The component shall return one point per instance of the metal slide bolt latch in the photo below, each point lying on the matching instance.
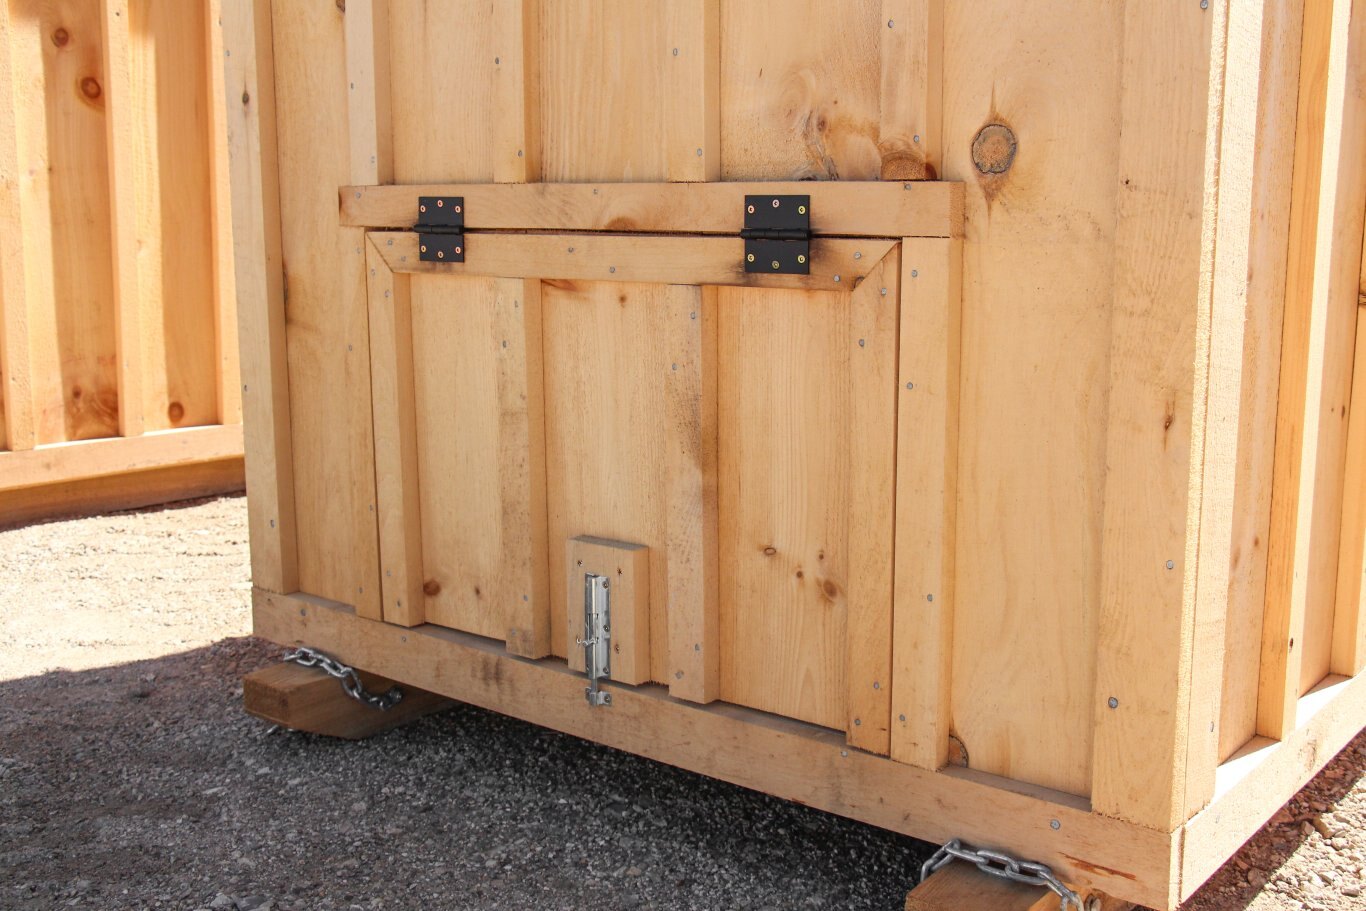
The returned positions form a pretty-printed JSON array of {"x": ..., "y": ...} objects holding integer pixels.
[{"x": 596, "y": 640}]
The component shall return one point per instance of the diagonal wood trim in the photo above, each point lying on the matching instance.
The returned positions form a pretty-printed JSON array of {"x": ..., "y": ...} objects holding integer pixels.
[{"x": 836, "y": 264}]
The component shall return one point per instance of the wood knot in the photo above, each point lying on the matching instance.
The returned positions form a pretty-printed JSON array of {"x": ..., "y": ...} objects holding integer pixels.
[
  {"x": 90, "y": 88},
  {"x": 176, "y": 412},
  {"x": 341, "y": 5},
  {"x": 993, "y": 149},
  {"x": 431, "y": 588},
  {"x": 770, "y": 550},
  {"x": 61, "y": 37},
  {"x": 830, "y": 589}
]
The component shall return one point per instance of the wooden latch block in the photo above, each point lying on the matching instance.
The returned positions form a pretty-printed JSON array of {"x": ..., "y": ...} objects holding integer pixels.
[{"x": 626, "y": 569}]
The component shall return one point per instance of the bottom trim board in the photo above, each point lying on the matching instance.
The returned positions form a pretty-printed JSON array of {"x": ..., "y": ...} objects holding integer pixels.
[
  {"x": 788, "y": 759},
  {"x": 106, "y": 493},
  {"x": 1257, "y": 780}
]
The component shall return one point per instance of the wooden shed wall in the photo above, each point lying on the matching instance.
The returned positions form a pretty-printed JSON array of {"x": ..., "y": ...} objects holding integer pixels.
[
  {"x": 118, "y": 300},
  {"x": 813, "y": 89},
  {"x": 1124, "y": 425}
]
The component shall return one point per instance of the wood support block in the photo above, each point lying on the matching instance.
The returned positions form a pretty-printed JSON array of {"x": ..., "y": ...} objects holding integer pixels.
[
  {"x": 627, "y": 567},
  {"x": 962, "y": 887},
  {"x": 307, "y": 699}
]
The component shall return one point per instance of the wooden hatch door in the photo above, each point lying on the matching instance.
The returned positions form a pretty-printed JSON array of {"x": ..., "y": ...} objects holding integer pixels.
[{"x": 565, "y": 381}]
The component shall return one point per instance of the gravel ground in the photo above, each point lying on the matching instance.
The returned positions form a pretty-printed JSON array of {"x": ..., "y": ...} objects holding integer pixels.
[{"x": 131, "y": 778}]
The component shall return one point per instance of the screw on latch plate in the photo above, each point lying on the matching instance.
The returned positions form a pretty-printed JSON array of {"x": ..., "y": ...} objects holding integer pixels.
[
  {"x": 440, "y": 229},
  {"x": 777, "y": 234}
]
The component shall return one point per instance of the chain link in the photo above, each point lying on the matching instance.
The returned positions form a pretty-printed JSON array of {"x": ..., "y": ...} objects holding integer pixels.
[
  {"x": 350, "y": 680},
  {"x": 1002, "y": 866}
]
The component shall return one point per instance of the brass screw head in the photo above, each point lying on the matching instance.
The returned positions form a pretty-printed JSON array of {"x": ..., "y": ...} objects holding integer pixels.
[
  {"x": 750, "y": 257},
  {"x": 775, "y": 264},
  {"x": 801, "y": 258},
  {"x": 801, "y": 210}
]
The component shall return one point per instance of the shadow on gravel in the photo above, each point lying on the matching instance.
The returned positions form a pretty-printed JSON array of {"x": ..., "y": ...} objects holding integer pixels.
[{"x": 145, "y": 785}]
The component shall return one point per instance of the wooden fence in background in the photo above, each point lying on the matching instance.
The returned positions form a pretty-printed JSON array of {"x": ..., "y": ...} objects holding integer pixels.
[{"x": 118, "y": 332}]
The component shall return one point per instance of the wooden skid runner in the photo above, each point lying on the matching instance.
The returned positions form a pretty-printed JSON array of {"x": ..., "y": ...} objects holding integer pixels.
[
  {"x": 306, "y": 699},
  {"x": 962, "y": 887}
]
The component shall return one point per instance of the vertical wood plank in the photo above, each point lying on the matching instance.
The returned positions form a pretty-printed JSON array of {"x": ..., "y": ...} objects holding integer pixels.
[
  {"x": 1234, "y": 321},
  {"x": 692, "y": 90},
  {"x": 1349, "y": 627},
  {"x": 911, "y": 99},
  {"x": 872, "y": 342},
  {"x": 395, "y": 411},
  {"x": 368, "y": 91},
  {"x": 249, "y": 83},
  {"x": 1273, "y": 148},
  {"x": 517, "y": 88},
  {"x": 521, "y": 454},
  {"x": 16, "y": 383},
  {"x": 328, "y": 328},
  {"x": 220, "y": 206},
  {"x": 694, "y": 581},
  {"x": 1160, "y": 347},
  {"x": 926, "y": 498},
  {"x": 120, "y": 129},
  {"x": 1316, "y": 352}
]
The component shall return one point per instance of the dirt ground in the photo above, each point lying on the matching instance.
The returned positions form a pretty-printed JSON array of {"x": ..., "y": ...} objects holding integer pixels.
[{"x": 131, "y": 778}]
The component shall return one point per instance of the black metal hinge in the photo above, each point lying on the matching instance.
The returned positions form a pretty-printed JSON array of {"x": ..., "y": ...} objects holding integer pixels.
[
  {"x": 777, "y": 234},
  {"x": 441, "y": 229}
]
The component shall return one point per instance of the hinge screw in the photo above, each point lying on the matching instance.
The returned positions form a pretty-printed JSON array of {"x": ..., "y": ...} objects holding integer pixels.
[
  {"x": 801, "y": 210},
  {"x": 776, "y": 203},
  {"x": 749, "y": 209},
  {"x": 749, "y": 257},
  {"x": 775, "y": 264},
  {"x": 801, "y": 258}
]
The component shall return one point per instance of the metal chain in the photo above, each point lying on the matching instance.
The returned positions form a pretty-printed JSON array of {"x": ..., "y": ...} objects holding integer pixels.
[
  {"x": 350, "y": 680},
  {"x": 1005, "y": 867}
]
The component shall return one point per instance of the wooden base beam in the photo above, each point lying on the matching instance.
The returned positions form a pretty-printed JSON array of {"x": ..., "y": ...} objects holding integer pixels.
[
  {"x": 788, "y": 759},
  {"x": 962, "y": 887},
  {"x": 307, "y": 699}
]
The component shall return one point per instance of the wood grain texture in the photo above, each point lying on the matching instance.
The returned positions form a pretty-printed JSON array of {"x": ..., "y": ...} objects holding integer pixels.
[
  {"x": 926, "y": 501},
  {"x": 89, "y": 496},
  {"x": 1151, "y": 623},
  {"x": 1271, "y": 148},
  {"x": 795, "y": 460},
  {"x": 306, "y": 699},
  {"x": 16, "y": 381},
  {"x": 910, "y": 103},
  {"x": 480, "y": 457},
  {"x": 801, "y": 83},
  {"x": 174, "y": 214},
  {"x": 327, "y": 337},
  {"x": 692, "y": 89},
  {"x": 398, "y": 488},
  {"x": 62, "y": 463},
  {"x": 836, "y": 263},
  {"x": 607, "y": 428},
  {"x": 64, "y": 194},
  {"x": 249, "y": 82},
  {"x": 226, "y": 338},
  {"x": 691, "y": 461},
  {"x": 603, "y": 79},
  {"x": 123, "y": 116},
  {"x": 851, "y": 209},
  {"x": 1230, "y": 325},
  {"x": 1038, "y": 286},
  {"x": 1316, "y": 353},
  {"x": 874, "y": 309},
  {"x": 779, "y": 756},
  {"x": 1251, "y": 785},
  {"x": 1349, "y": 628}
]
